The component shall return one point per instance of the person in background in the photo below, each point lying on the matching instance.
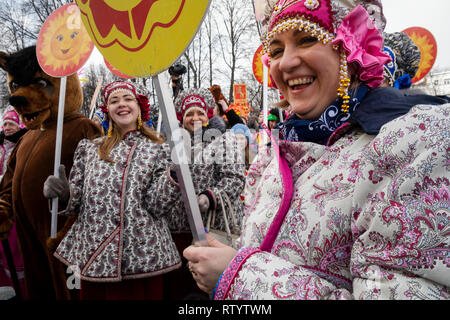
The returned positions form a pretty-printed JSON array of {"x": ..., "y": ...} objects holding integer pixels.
[
  {"x": 405, "y": 60},
  {"x": 99, "y": 118},
  {"x": 354, "y": 204},
  {"x": 254, "y": 127},
  {"x": 244, "y": 137},
  {"x": 12, "y": 130},
  {"x": 217, "y": 167},
  {"x": 120, "y": 245},
  {"x": 273, "y": 118},
  {"x": 222, "y": 109}
]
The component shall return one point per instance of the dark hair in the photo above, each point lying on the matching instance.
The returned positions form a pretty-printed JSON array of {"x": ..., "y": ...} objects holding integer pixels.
[{"x": 252, "y": 123}]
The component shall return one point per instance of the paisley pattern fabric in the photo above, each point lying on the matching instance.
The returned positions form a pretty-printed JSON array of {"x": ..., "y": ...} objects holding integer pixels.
[
  {"x": 216, "y": 167},
  {"x": 120, "y": 233},
  {"x": 5, "y": 151},
  {"x": 369, "y": 218}
]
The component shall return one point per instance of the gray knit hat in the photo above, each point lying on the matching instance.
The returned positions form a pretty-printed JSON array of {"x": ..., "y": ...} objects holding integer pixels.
[{"x": 404, "y": 53}]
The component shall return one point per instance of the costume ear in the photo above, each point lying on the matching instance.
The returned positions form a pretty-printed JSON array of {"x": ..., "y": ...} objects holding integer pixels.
[{"x": 3, "y": 58}]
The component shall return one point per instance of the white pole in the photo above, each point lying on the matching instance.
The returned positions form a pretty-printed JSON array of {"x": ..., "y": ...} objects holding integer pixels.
[
  {"x": 59, "y": 132},
  {"x": 265, "y": 99},
  {"x": 179, "y": 157},
  {"x": 158, "y": 128}
]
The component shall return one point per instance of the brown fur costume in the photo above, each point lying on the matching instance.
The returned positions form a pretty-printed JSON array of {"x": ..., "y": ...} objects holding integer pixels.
[{"x": 35, "y": 96}]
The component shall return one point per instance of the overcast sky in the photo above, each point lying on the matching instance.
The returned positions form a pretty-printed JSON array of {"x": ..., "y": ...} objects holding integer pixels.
[{"x": 433, "y": 15}]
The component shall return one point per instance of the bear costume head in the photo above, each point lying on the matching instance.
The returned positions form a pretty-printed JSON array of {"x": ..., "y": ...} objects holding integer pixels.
[{"x": 34, "y": 94}]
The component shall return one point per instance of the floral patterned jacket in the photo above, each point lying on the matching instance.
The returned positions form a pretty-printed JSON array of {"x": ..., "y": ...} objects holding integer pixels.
[
  {"x": 216, "y": 167},
  {"x": 365, "y": 217},
  {"x": 120, "y": 233}
]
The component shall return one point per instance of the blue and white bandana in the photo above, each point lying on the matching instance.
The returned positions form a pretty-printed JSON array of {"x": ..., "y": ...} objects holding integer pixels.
[{"x": 318, "y": 131}]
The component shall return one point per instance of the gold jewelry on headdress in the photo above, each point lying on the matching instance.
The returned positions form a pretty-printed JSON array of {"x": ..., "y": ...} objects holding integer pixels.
[
  {"x": 297, "y": 24},
  {"x": 110, "y": 129},
  {"x": 139, "y": 119},
  {"x": 344, "y": 82}
]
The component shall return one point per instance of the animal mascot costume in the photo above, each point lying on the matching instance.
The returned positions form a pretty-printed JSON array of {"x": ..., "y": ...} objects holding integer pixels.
[{"x": 35, "y": 96}]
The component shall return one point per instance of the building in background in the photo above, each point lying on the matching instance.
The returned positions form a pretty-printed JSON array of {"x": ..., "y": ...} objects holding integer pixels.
[{"x": 435, "y": 83}]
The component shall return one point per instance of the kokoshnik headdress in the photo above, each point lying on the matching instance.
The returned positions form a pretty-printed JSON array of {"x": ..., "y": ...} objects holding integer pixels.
[{"x": 352, "y": 26}]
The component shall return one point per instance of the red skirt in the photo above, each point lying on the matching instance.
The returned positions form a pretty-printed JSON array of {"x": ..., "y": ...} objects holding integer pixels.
[{"x": 135, "y": 289}]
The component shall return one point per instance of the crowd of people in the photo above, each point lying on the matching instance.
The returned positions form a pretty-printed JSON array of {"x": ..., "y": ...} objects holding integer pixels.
[{"x": 346, "y": 196}]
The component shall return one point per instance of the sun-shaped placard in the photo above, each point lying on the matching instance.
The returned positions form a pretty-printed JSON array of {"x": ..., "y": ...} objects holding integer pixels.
[
  {"x": 142, "y": 37},
  {"x": 258, "y": 68},
  {"x": 63, "y": 44},
  {"x": 426, "y": 42}
]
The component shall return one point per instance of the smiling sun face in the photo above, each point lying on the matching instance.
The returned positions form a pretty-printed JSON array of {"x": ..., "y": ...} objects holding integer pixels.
[{"x": 63, "y": 45}]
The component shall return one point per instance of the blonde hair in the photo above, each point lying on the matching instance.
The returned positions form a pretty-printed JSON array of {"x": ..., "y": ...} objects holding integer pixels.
[{"x": 108, "y": 143}]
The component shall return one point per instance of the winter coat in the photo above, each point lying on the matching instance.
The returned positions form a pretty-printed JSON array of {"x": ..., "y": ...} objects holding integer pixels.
[
  {"x": 6, "y": 146},
  {"x": 120, "y": 233},
  {"x": 29, "y": 165},
  {"x": 216, "y": 167},
  {"x": 367, "y": 217}
]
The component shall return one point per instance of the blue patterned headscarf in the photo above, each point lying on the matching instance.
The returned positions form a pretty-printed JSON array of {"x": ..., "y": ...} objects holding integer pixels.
[{"x": 318, "y": 131}]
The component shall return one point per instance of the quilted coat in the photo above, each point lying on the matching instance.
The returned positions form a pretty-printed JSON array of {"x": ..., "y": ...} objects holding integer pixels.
[
  {"x": 120, "y": 232},
  {"x": 216, "y": 167},
  {"x": 363, "y": 217}
]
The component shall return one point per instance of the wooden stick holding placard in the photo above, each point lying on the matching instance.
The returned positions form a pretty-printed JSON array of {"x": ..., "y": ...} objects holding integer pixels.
[
  {"x": 59, "y": 132},
  {"x": 175, "y": 140},
  {"x": 94, "y": 98}
]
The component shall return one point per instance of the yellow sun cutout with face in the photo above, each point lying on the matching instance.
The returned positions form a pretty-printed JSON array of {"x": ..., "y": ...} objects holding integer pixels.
[{"x": 63, "y": 44}]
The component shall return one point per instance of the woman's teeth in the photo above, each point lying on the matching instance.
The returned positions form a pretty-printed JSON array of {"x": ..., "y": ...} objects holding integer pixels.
[{"x": 300, "y": 81}]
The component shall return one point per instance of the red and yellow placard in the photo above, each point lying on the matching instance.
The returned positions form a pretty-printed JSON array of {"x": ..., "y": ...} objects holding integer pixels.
[
  {"x": 242, "y": 110},
  {"x": 258, "y": 68},
  {"x": 427, "y": 44},
  {"x": 116, "y": 71},
  {"x": 63, "y": 45},
  {"x": 240, "y": 93},
  {"x": 142, "y": 37}
]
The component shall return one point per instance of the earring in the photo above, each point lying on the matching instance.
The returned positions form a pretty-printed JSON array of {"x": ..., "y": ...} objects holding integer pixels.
[
  {"x": 110, "y": 130},
  {"x": 344, "y": 83},
  {"x": 139, "y": 119}
]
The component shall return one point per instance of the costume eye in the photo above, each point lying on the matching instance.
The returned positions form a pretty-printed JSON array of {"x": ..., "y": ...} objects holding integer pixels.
[
  {"x": 73, "y": 35},
  {"x": 14, "y": 86},
  {"x": 41, "y": 82},
  {"x": 59, "y": 37}
]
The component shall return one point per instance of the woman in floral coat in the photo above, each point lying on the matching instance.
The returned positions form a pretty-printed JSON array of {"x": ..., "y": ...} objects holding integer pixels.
[
  {"x": 353, "y": 203},
  {"x": 217, "y": 166},
  {"x": 120, "y": 245}
]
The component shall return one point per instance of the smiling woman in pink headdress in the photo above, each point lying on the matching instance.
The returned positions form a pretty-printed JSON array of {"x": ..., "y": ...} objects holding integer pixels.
[
  {"x": 120, "y": 244},
  {"x": 352, "y": 202}
]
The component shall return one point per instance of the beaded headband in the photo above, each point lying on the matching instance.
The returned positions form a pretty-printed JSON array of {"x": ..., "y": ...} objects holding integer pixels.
[
  {"x": 345, "y": 23},
  {"x": 142, "y": 100},
  {"x": 126, "y": 86},
  {"x": 201, "y": 99}
]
